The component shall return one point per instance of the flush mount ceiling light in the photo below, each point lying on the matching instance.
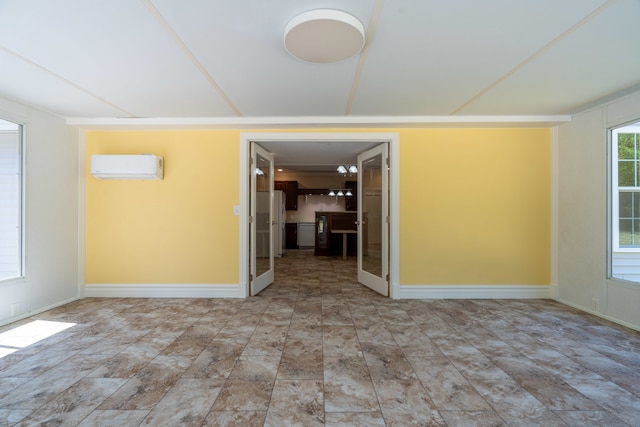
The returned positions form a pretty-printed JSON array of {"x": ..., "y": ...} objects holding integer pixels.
[{"x": 324, "y": 36}]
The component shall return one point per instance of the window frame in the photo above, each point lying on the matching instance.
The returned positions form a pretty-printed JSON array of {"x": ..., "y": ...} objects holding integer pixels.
[
  {"x": 615, "y": 189},
  {"x": 21, "y": 258}
]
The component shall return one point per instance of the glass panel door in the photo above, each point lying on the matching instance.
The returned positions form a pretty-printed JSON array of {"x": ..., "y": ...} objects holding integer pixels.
[
  {"x": 262, "y": 219},
  {"x": 373, "y": 226}
]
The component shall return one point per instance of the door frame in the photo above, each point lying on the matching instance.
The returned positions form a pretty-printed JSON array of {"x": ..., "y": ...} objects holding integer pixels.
[{"x": 392, "y": 138}]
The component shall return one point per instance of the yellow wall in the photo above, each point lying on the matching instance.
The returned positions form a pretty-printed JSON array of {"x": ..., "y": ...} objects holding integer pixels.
[
  {"x": 474, "y": 208},
  {"x": 178, "y": 230}
]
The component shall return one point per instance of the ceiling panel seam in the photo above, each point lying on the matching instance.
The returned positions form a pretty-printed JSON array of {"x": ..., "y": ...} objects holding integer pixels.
[
  {"x": 183, "y": 46},
  {"x": 371, "y": 29},
  {"x": 64, "y": 80},
  {"x": 536, "y": 54}
]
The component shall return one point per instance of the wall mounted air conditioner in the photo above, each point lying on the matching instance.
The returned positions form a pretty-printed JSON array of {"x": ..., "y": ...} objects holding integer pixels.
[{"x": 126, "y": 166}]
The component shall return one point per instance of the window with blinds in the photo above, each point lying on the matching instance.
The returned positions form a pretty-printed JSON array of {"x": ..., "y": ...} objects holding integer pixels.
[{"x": 10, "y": 200}]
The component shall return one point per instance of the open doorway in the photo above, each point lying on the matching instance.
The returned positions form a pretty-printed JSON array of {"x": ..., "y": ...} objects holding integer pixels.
[{"x": 317, "y": 154}]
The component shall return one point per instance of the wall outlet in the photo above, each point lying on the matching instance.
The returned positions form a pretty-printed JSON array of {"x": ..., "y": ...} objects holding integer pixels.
[{"x": 595, "y": 304}]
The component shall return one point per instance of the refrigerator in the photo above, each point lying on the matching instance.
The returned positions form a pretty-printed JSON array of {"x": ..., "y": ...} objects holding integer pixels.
[{"x": 279, "y": 221}]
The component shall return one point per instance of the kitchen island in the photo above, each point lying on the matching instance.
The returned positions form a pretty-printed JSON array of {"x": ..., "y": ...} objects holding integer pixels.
[{"x": 336, "y": 234}]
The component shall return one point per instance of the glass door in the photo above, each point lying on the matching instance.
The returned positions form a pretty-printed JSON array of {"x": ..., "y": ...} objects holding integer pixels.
[
  {"x": 261, "y": 268},
  {"x": 373, "y": 216}
]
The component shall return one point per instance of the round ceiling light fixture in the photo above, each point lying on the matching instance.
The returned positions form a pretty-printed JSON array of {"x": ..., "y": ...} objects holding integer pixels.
[{"x": 324, "y": 36}]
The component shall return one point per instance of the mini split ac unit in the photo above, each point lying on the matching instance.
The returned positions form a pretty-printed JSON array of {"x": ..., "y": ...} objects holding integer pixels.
[{"x": 126, "y": 166}]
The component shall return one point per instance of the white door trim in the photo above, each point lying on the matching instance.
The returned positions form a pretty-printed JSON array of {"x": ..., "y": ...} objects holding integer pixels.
[{"x": 392, "y": 138}]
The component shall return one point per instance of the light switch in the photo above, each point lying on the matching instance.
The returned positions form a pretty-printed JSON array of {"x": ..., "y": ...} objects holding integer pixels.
[{"x": 236, "y": 210}]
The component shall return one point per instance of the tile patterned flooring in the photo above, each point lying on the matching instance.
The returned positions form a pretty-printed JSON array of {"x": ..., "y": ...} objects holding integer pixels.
[{"x": 316, "y": 348}]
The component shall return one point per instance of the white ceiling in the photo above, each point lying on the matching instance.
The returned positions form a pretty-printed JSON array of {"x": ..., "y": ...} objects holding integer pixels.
[
  {"x": 225, "y": 59},
  {"x": 315, "y": 156}
]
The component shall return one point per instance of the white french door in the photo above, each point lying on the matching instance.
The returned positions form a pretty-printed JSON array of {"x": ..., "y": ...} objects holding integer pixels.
[
  {"x": 373, "y": 219},
  {"x": 261, "y": 219}
]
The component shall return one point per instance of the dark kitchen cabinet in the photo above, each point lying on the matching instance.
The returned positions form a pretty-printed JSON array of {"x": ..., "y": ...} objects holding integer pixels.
[
  {"x": 291, "y": 235},
  {"x": 351, "y": 202},
  {"x": 290, "y": 189},
  {"x": 330, "y": 244}
]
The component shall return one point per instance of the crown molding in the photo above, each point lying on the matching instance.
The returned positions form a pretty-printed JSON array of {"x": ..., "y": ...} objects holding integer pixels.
[{"x": 316, "y": 122}]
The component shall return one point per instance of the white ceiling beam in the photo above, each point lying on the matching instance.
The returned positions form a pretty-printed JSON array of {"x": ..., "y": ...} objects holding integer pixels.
[{"x": 318, "y": 121}]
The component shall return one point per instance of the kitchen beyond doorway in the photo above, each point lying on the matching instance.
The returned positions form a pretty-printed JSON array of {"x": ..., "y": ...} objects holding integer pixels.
[{"x": 318, "y": 146}]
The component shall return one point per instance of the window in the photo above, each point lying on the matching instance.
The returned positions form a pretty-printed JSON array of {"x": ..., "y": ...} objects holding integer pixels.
[
  {"x": 625, "y": 203},
  {"x": 10, "y": 200}
]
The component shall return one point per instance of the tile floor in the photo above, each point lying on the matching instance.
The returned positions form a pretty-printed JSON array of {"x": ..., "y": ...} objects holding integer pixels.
[{"x": 317, "y": 349}]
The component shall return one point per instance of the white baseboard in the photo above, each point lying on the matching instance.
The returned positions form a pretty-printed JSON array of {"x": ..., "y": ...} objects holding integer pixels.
[
  {"x": 236, "y": 291},
  {"x": 37, "y": 311},
  {"x": 601, "y": 315},
  {"x": 163, "y": 291},
  {"x": 475, "y": 292}
]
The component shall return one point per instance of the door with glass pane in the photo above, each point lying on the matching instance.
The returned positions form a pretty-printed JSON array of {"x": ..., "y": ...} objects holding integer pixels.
[
  {"x": 373, "y": 214},
  {"x": 261, "y": 268}
]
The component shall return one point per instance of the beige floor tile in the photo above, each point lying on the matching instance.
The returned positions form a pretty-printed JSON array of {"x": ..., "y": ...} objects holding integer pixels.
[
  {"x": 446, "y": 386},
  {"x": 316, "y": 347},
  {"x": 187, "y": 403},
  {"x": 386, "y": 362},
  {"x": 621, "y": 403},
  {"x": 235, "y": 418},
  {"x": 340, "y": 340},
  {"x": 590, "y": 419},
  {"x": 472, "y": 419},
  {"x": 556, "y": 394},
  {"x": 514, "y": 404},
  {"x": 216, "y": 361},
  {"x": 75, "y": 403},
  {"x": 296, "y": 403},
  {"x": 406, "y": 402},
  {"x": 354, "y": 419},
  {"x": 301, "y": 360},
  {"x": 114, "y": 418},
  {"x": 256, "y": 368},
  {"x": 149, "y": 385},
  {"x": 348, "y": 386},
  {"x": 244, "y": 395}
]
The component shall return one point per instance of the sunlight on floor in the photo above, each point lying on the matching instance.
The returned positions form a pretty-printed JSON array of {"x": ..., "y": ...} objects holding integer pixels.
[{"x": 25, "y": 335}]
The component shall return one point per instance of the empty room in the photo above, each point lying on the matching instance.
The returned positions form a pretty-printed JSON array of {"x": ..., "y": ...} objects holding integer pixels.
[{"x": 298, "y": 213}]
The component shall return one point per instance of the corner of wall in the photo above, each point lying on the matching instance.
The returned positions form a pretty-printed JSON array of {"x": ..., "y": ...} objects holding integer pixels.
[{"x": 581, "y": 214}]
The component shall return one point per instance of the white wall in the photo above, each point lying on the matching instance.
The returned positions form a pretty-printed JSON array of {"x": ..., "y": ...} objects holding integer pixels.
[
  {"x": 582, "y": 214},
  {"x": 309, "y": 205},
  {"x": 51, "y": 215}
]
